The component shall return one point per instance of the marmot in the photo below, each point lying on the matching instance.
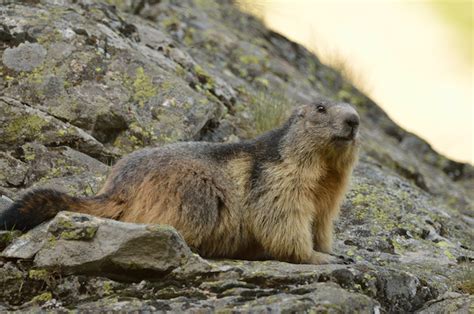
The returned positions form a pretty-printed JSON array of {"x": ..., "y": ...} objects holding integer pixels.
[{"x": 275, "y": 196}]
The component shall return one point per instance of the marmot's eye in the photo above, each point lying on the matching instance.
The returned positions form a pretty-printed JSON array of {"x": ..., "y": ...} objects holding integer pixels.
[{"x": 321, "y": 108}]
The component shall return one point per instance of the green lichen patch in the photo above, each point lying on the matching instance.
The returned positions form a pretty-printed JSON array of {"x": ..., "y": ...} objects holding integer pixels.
[
  {"x": 135, "y": 137},
  {"x": 143, "y": 87},
  {"x": 36, "y": 76},
  {"x": 27, "y": 127},
  {"x": 39, "y": 274},
  {"x": 6, "y": 237},
  {"x": 47, "y": 38},
  {"x": 66, "y": 229},
  {"x": 85, "y": 233},
  {"x": 107, "y": 288},
  {"x": 42, "y": 298},
  {"x": 204, "y": 78}
]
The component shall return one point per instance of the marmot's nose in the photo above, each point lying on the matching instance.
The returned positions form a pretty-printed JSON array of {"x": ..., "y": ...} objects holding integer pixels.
[{"x": 352, "y": 120}]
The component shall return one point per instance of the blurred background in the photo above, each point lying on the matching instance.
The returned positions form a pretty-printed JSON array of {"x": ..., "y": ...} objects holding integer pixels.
[{"x": 414, "y": 58}]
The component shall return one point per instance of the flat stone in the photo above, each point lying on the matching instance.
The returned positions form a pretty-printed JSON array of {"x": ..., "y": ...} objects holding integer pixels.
[
  {"x": 25, "y": 57},
  {"x": 27, "y": 245}
]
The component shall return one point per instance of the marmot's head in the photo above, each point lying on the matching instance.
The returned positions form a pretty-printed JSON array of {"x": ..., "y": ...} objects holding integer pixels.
[{"x": 326, "y": 127}]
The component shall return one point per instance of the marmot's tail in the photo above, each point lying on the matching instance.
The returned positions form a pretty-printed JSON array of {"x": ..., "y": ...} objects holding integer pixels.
[{"x": 38, "y": 206}]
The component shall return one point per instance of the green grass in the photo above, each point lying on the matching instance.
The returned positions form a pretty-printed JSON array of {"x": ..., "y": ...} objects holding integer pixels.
[
  {"x": 269, "y": 110},
  {"x": 465, "y": 282}
]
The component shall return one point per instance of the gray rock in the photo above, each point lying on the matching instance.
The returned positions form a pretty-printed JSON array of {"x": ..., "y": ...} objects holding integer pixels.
[
  {"x": 79, "y": 243},
  {"x": 26, "y": 57},
  {"x": 6, "y": 237},
  {"x": 12, "y": 171},
  {"x": 63, "y": 168},
  {"x": 27, "y": 245},
  {"x": 5, "y": 202},
  {"x": 450, "y": 303},
  {"x": 10, "y": 279},
  {"x": 22, "y": 124},
  {"x": 325, "y": 298},
  {"x": 396, "y": 288}
]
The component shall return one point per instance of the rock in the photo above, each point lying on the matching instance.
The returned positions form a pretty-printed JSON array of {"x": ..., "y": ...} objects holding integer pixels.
[
  {"x": 27, "y": 245},
  {"x": 62, "y": 168},
  {"x": 6, "y": 237},
  {"x": 11, "y": 278},
  {"x": 400, "y": 291},
  {"x": 325, "y": 297},
  {"x": 450, "y": 303},
  {"x": 26, "y": 57},
  {"x": 22, "y": 124},
  {"x": 79, "y": 243},
  {"x": 12, "y": 171},
  {"x": 5, "y": 202}
]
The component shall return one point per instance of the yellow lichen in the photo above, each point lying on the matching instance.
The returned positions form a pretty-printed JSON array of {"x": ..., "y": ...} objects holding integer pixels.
[
  {"x": 443, "y": 244},
  {"x": 42, "y": 298},
  {"x": 249, "y": 59},
  {"x": 143, "y": 88},
  {"x": 108, "y": 290},
  {"x": 204, "y": 78},
  {"x": 449, "y": 255},
  {"x": 29, "y": 126},
  {"x": 38, "y": 274}
]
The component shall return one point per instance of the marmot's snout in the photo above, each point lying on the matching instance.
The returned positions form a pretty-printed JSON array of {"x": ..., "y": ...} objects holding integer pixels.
[
  {"x": 349, "y": 119},
  {"x": 351, "y": 122}
]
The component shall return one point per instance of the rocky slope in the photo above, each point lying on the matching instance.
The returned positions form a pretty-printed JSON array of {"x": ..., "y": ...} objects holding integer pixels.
[{"x": 83, "y": 82}]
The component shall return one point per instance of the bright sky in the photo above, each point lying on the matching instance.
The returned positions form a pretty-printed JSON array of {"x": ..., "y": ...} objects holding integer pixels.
[{"x": 406, "y": 54}]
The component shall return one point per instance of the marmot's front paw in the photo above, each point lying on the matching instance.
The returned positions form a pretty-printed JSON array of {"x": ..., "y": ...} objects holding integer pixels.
[{"x": 319, "y": 258}]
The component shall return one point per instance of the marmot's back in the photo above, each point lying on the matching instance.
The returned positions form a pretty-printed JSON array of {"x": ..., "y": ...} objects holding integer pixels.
[{"x": 131, "y": 170}]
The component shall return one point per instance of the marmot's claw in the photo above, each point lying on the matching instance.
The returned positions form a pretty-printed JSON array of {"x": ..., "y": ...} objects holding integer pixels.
[{"x": 334, "y": 259}]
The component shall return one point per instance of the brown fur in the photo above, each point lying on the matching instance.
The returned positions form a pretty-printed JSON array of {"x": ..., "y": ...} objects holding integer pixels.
[{"x": 275, "y": 196}]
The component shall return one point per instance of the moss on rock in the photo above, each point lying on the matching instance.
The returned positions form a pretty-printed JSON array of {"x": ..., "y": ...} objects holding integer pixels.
[{"x": 143, "y": 87}]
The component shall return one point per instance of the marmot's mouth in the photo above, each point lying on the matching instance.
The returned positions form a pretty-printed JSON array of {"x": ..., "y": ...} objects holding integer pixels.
[{"x": 348, "y": 138}]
